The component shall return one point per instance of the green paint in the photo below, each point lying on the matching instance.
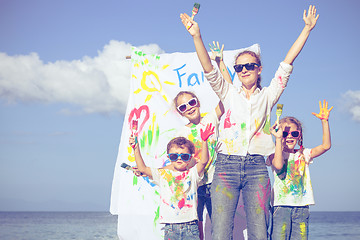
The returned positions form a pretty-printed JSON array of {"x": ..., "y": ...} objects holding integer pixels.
[
  {"x": 243, "y": 126},
  {"x": 135, "y": 180},
  {"x": 157, "y": 134},
  {"x": 266, "y": 128},
  {"x": 143, "y": 141},
  {"x": 157, "y": 215},
  {"x": 194, "y": 132},
  {"x": 150, "y": 137}
]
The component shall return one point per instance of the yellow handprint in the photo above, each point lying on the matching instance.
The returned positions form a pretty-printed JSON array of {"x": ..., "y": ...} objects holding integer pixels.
[{"x": 324, "y": 111}]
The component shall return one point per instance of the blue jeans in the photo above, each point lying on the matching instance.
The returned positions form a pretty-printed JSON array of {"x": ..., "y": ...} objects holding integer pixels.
[
  {"x": 234, "y": 174},
  {"x": 290, "y": 222},
  {"x": 204, "y": 199},
  {"x": 182, "y": 231}
]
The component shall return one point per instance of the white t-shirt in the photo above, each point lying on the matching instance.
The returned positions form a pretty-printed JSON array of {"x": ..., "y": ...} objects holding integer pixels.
[
  {"x": 178, "y": 194},
  {"x": 292, "y": 184},
  {"x": 193, "y": 134},
  {"x": 246, "y": 127}
]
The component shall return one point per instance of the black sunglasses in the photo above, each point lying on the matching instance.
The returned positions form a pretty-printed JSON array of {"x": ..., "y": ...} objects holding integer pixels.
[
  {"x": 184, "y": 156},
  {"x": 294, "y": 134},
  {"x": 248, "y": 66},
  {"x": 192, "y": 103}
]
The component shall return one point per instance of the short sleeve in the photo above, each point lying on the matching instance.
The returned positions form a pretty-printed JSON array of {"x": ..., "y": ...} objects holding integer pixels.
[{"x": 155, "y": 176}]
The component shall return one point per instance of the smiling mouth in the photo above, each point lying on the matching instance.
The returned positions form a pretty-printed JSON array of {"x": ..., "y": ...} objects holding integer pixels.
[{"x": 191, "y": 111}]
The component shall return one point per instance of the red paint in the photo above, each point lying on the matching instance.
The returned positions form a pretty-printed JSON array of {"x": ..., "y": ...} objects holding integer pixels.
[
  {"x": 137, "y": 114},
  {"x": 227, "y": 122}
]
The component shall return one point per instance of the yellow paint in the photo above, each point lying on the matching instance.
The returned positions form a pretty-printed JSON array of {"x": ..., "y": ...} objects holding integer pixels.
[
  {"x": 303, "y": 232},
  {"x": 170, "y": 83},
  {"x": 148, "y": 98},
  {"x": 131, "y": 158},
  {"x": 203, "y": 114},
  {"x": 154, "y": 88},
  {"x": 283, "y": 231},
  {"x": 136, "y": 65},
  {"x": 137, "y": 91},
  {"x": 133, "y": 76},
  {"x": 146, "y": 61},
  {"x": 165, "y": 66},
  {"x": 165, "y": 98}
]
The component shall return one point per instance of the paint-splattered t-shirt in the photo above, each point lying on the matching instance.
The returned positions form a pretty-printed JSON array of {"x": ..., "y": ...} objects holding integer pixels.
[
  {"x": 246, "y": 122},
  {"x": 178, "y": 194},
  {"x": 193, "y": 134},
  {"x": 292, "y": 184}
]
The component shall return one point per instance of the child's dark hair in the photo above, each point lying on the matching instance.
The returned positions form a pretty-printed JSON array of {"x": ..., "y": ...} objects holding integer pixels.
[
  {"x": 299, "y": 127},
  {"x": 258, "y": 61},
  {"x": 183, "y": 93},
  {"x": 181, "y": 142}
]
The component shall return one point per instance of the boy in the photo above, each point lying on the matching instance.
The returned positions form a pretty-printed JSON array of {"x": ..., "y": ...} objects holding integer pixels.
[{"x": 178, "y": 184}]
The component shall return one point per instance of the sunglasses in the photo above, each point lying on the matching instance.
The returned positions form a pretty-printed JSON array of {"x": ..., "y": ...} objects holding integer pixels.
[
  {"x": 183, "y": 107},
  {"x": 184, "y": 156},
  {"x": 294, "y": 134},
  {"x": 248, "y": 66}
]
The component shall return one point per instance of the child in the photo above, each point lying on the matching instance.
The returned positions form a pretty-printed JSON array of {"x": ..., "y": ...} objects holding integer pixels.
[
  {"x": 245, "y": 138},
  {"x": 292, "y": 191},
  {"x": 178, "y": 185}
]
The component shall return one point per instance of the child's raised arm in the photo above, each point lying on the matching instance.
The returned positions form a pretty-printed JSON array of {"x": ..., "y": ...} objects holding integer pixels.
[
  {"x": 323, "y": 115},
  {"x": 141, "y": 166},
  {"x": 217, "y": 56},
  {"x": 193, "y": 28},
  {"x": 205, "y": 134},
  {"x": 276, "y": 159},
  {"x": 310, "y": 20}
]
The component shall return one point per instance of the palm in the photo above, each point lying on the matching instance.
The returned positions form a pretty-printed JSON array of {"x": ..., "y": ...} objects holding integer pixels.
[
  {"x": 324, "y": 111},
  {"x": 310, "y": 17}
]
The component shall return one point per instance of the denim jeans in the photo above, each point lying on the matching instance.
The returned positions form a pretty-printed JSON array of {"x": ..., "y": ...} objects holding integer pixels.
[
  {"x": 290, "y": 222},
  {"x": 204, "y": 199},
  {"x": 232, "y": 175},
  {"x": 182, "y": 231}
]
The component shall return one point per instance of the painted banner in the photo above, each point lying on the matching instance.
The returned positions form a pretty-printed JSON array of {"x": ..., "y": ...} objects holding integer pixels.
[{"x": 155, "y": 81}]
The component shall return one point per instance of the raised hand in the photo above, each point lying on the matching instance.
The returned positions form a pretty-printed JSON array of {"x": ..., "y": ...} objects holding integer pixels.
[
  {"x": 209, "y": 130},
  {"x": 191, "y": 26},
  {"x": 324, "y": 111},
  {"x": 310, "y": 17},
  {"x": 217, "y": 53},
  {"x": 133, "y": 141},
  {"x": 276, "y": 133}
]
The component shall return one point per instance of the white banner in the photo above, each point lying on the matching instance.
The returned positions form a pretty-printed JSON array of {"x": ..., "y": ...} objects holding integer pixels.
[{"x": 155, "y": 81}]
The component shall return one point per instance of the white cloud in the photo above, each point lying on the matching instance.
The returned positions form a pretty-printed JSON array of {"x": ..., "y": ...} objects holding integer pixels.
[
  {"x": 352, "y": 104},
  {"x": 99, "y": 84}
]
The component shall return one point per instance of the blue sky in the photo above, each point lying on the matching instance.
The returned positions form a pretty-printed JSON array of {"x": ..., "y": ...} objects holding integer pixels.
[{"x": 64, "y": 85}]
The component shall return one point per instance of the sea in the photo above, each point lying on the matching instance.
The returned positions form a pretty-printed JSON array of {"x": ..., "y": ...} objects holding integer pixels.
[{"x": 102, "y": 225}]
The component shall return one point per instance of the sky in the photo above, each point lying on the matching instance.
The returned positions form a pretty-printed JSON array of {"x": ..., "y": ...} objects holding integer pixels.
[{"x": 64, "y": 85}]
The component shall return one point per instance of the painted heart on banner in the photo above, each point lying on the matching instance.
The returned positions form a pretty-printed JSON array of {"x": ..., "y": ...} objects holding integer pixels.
[{"x": 141, "y": 114}]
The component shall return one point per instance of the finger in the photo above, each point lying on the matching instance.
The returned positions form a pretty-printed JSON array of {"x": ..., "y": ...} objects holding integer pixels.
[
  {"x": 331, "y": 108},
  {"x": 320, "y": 104},
  {"x": 222, "y": 47},
  {"x": 325, "y": 104},
  {"x": 304, "y": 15},
  {"x": 315, "y": 114},
  {"x": 218, "y": 46}
]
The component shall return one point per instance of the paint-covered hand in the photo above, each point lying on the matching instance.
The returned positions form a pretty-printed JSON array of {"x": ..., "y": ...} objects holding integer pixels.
[
  {"x": 209, "y": 130},
  {"x": 324, "y": 111},
  {"x": 191, "y": 25},
  {"x": 276, "y": 133},
  {"x": 133, "y": 141},
  {"x": 216, "y": 51},
  {"x": 138, "y": 173},
  {"x": 310, "y": 18}
]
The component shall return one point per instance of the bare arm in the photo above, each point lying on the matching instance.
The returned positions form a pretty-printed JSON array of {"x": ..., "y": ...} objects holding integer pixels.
[
  {"x": 310, "y": 20},
  {"x": 193, "y": 28},
  {"x": 141, "y": 166},
  {"x": 277, "y": 159},
  {"x": 326, "y": 138},
  {"x": 205, "y": 134},
  {"x": 217, "y": 56}
]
